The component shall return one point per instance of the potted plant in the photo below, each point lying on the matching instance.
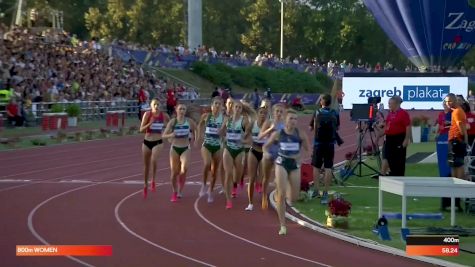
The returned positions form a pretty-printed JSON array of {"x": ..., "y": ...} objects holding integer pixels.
[
  {"x": 416, "y": 129},
  {"x": 338, "y": 212},
  {"x": 73, "y": 110}
]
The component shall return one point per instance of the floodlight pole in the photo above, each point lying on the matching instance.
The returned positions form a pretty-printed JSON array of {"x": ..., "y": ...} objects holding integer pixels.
[
  {"x": 281, "y": 29},
  {"x": 18, "y": 13}
]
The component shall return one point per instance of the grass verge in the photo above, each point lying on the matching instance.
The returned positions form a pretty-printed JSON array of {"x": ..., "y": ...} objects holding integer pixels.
[{"x": 362, "y": 192}]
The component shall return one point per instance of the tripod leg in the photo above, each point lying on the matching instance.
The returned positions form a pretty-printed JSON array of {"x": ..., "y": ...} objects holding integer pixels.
[{"x": 376, "y": 151}]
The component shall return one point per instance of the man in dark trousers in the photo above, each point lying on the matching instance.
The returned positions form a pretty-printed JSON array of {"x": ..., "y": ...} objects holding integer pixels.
[
  {"x": 458, "y": 140},
  {"x": 325, "y": 125},
  {"x": 397, "y": 130}
]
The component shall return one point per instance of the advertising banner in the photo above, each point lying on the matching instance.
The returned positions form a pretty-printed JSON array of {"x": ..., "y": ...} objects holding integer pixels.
[{"x": 421, "y": 93}]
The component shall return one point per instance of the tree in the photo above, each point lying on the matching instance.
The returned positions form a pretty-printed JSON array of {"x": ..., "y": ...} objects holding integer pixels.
[
  {"x": 262, "y": 34},
  {"x": 222, "y": 28}
]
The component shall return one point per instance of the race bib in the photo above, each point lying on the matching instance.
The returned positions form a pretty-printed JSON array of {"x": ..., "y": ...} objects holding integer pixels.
[
  {"x": 156, "y": 126},
  {"x": 211, "y": 130},
  {"x": 233, "y": 136}
]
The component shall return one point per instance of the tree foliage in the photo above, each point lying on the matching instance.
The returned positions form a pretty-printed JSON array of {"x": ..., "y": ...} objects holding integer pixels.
[{"x": 325, "y": 29}]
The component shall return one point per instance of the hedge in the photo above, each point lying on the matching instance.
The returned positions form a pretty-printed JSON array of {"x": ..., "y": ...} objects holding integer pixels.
[{"x": 281, "y": 80}]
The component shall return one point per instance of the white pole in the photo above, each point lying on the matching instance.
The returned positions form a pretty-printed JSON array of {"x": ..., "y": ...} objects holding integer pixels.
[
  {"x": 281, "y": 29},
  {"x": 195, "y": 21},
  {"x": 18, "y": 13}
]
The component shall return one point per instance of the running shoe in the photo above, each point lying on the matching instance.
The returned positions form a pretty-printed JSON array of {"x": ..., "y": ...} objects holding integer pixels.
[
  {"x": 283, "y": 230},
  {"x": 174, "y": 197},
  {"x": 229, "y": 204},
  {"x": 241, "y": 184},
  {"x": 153, "y": 186},
  {"x": 234, "y": 192},
  {"x": 203, "y": 190},
  {"x": 210, "y": 197},
  {"x": 179, "y": 194},
  {"x": 249, "y": 207}
]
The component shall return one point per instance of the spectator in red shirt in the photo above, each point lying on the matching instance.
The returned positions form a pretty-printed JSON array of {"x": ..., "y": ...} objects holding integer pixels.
[
  {"x": 398, "y": 131},
  {"x": 171, "y": 101},
  {"x": 297, "y": 103},
  {"x": 13, "y": 113},
  {"x": 143, "y": 102}
]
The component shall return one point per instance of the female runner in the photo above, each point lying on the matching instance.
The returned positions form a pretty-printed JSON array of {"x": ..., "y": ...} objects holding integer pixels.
[
  {"x": 287, "y": 165},
  {"x": 152, "y": 124},
  {"x": 254, "y": 157},
  {"x": 271, "y": 125},
  {"x": 178, "y": 130},
  {"x": 237, "y": 129},
  {"x": 211, "y": 150}
]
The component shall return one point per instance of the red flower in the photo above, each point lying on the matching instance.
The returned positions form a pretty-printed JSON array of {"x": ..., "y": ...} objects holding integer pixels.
[{"x": 339, "y": 207}]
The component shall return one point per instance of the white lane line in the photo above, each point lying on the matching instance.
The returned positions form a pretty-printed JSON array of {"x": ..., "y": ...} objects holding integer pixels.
[
  {"x": 119, "y": 220},
  {"x": 197, "y": 210},
  {"x": 31, "y": 227},
  {"x": 60, "y": 149},
  {"x": 64, "y": 166},
  {"x": 78, "y": 174},
  {"x": 76, "y": 181},
  {"x": 14, "y": 181}
]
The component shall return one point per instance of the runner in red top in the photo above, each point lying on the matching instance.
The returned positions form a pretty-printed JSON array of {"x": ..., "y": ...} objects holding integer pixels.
[{"x": 153, "y": 124}]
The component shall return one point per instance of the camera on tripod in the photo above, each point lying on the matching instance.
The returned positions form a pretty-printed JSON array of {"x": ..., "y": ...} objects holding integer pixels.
[{"x": 374, "y": 100}]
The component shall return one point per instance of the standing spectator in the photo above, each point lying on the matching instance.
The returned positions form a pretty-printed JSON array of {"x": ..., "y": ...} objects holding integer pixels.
[
  {"x": 13, "y": 113},
  {"x": 325, "y": 124},
  {"x": 297, "y": 103},
  {"x": 398, "y": 134},
  {"x": 142, "y": 101},
  {"x": 171, "y": 101},
  {"x": 255, "y": 99},
  {"x": 458, "y": 137},
  {"x": 215, "y": 93},
  {"x": 378, "y": 67},
  {"x": 268, "y": 94}
]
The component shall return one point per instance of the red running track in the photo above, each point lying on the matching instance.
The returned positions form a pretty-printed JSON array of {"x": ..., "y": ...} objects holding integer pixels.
[{"x": 90, "y": 194}]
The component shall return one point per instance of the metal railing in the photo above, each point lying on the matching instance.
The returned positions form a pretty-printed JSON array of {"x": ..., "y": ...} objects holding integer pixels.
[{"x": 94, "y": 110}]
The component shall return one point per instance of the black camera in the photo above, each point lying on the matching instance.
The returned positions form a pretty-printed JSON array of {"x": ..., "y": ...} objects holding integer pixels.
[{"x": 374, "y": 100}]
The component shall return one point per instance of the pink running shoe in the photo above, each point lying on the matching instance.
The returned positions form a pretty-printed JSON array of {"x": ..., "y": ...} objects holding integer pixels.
[
  {"x": 241, "y": 184},
  {"x": 153, "y": 186},
  {"x": 174, "y": 197},
  {"x": 234, "y": 192},
  {"x": 229, "y": 204},
  {"x": 145, "y": 191}
]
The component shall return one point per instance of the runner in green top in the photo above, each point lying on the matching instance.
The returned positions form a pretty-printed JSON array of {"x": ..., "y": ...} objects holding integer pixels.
[
  {"x": 210, "y": 127},
  {"x": 237, "y": 129},
  {"x": 178, "y": 130}
]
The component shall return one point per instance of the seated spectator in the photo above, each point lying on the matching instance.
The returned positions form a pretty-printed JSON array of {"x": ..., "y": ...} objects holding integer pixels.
[
  {"x": 297, "y": 103},
  {"x": 13, "y": 113}
]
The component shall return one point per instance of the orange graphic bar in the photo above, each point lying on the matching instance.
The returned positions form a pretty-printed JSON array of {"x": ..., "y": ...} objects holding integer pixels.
[
  {"x": 51, "y": 250},
  {"x": 442, "y": 250}
]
